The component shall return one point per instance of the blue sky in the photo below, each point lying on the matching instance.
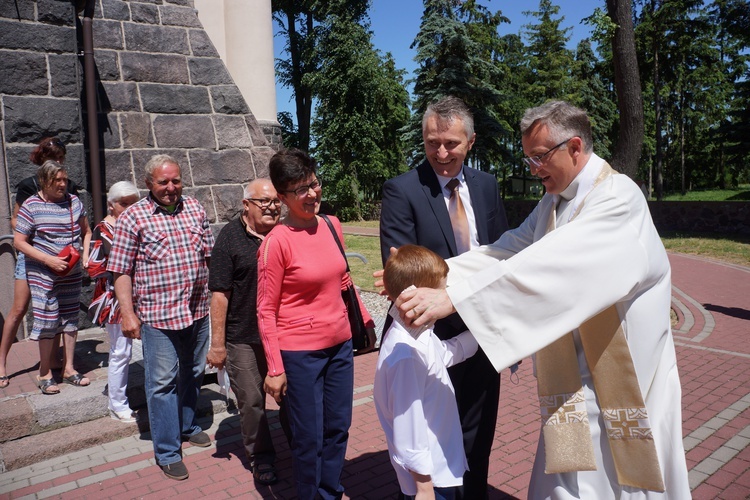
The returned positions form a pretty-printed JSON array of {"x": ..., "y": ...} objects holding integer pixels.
[{"x": 395, "y": 24}]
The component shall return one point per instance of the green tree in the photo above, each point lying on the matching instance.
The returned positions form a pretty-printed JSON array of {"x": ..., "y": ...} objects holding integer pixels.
[
  {"x": 298, "y": 22},
  {"x": 731, "y": 18},
  {"x": 627, "y": 83},
  {"x": 455, "y": 46},
  {"x": 361, "y": 105},
  {"x": 592, "y": 93},
  {"x": 550, "y": 61}
]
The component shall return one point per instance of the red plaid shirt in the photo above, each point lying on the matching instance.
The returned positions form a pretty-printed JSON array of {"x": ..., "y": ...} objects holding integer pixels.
[{"x": 165, "y": 254}]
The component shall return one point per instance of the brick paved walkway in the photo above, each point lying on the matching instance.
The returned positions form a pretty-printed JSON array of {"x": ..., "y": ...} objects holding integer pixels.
[{"x": 713, "y": 350}]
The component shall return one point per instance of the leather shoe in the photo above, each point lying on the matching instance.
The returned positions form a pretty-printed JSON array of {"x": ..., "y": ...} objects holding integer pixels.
[
  {"x": 201, "y": 439},
  {"x": 176, "y": 471}
]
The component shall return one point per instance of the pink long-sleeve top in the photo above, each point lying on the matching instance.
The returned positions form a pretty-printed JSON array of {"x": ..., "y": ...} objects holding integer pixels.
[{"x": 301, "y": 274}]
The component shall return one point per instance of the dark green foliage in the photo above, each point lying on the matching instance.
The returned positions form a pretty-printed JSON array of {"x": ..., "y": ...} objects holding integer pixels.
[
  {"x": 452, "y": 61},
  {"x": 362, "y": 104}
]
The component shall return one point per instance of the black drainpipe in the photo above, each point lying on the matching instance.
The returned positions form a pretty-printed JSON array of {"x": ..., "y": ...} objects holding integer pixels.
[{"x": 89, "y": 75}]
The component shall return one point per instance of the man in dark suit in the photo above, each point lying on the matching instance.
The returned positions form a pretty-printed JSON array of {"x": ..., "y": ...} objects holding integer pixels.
[{"x": 415, "y": 209}]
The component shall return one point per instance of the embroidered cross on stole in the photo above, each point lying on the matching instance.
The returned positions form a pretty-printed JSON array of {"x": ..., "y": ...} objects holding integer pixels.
[{"x": 567, "y": 436}]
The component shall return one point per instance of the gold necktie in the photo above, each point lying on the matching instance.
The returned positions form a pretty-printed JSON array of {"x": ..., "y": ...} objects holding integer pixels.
[{"x": 459, "y": 222}]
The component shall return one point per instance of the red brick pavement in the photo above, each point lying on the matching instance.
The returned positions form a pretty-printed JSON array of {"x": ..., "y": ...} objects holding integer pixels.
[{"x": 713, "y": 369}]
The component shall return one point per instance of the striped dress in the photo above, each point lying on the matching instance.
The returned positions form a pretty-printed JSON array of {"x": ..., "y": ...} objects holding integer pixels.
[{"x": 54, "y": 299}]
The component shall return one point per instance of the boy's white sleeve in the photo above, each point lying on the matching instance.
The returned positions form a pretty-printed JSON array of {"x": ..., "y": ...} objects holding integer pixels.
[
  {"x": 410, "y": 433},
  {"x": 459, "y": 348}
]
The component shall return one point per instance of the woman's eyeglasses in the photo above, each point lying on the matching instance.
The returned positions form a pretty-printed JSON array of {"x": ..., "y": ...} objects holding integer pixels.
[{"x": 303, "y": 190}]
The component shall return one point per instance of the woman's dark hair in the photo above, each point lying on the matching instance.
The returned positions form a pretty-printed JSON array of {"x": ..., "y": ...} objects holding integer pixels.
[
  {"x": 49, "y": 148},
  {"x": 290, "y": 166}
]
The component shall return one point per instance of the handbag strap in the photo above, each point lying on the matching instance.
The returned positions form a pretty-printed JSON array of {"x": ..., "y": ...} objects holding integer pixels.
[
  {"x": 72, "y": 224},
  {"x": 336, "y": 237}
]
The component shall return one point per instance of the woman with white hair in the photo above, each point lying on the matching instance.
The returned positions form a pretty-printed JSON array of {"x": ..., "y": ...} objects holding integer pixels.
[{"x": 104, "y": 309}]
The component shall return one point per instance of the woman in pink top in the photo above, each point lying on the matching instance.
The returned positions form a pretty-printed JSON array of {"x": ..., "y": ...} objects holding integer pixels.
[{"x": 304, "y": 327}]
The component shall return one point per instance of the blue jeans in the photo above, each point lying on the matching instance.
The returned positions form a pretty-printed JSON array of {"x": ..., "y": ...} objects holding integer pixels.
[
  {"x": 320, "y": 386},
  {"x": 175, "y": 361}
]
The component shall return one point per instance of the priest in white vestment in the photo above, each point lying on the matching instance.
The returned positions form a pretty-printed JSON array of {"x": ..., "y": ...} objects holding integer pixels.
[{"x": 584, "y": 285}]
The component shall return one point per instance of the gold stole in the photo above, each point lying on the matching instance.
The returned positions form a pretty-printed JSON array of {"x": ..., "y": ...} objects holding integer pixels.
[{"x": 567, "y": 437}]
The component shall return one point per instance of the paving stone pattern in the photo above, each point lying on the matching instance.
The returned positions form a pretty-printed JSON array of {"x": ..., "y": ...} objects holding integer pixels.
[{"x": 712, "y": 301}]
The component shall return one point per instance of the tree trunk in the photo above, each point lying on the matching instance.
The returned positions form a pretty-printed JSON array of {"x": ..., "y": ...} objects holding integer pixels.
[
  {"x": 627, "y": 151},
  {"x": 657, "y": 126}
]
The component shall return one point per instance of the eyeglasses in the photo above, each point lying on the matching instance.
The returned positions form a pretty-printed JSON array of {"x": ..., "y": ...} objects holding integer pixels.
[
  {"x": 303, "y": 190},
  {"x": 264, "y": 203},
  {"x": 536, "y": 161}
]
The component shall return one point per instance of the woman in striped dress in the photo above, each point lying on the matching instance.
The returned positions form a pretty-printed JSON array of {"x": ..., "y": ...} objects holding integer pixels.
[{"x": 47, "y": 222}]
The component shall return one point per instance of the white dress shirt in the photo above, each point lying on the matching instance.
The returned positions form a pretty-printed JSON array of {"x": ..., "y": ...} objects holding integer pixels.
[{"x": 416, "y": 404}]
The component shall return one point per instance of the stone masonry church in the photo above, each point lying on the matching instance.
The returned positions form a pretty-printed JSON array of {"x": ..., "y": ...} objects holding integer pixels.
[{"x": 190, "y": 78}]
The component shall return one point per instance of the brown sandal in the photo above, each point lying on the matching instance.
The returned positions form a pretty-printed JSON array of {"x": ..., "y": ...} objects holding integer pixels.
[{"x": 265, "y": 474}]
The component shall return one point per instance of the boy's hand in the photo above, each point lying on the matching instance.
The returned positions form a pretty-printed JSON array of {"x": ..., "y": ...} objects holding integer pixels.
[{"x": 425, "y": 489}]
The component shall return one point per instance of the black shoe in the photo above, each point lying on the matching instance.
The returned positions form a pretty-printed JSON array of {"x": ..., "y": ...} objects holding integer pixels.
[
  {"x": 176, "y": 471},
  {"x": 201, "y": 439}
]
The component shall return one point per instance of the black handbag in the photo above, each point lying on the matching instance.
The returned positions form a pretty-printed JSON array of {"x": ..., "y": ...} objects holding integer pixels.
[{"x": 363, "y": 338}]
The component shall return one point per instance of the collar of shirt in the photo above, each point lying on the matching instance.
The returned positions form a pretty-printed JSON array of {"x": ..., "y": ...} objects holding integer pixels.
[
  {"x": 573, "y": 195},
  {"x": 155, "y": 206},
  {"x": 249, "y": 231},
  {"x": 415, "y": 333},
  {"x": 445, "y": 180}
]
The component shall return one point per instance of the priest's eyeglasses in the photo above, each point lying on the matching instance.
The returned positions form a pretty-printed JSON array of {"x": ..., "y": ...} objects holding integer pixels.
[
  {"x": 303, "y": 190},
  {"x": 263, "y": 203},
  {"x": 537, "y": 160}
]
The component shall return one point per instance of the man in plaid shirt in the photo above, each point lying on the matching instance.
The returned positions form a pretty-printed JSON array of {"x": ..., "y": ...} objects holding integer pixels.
[{"x": 159, "y": 259}]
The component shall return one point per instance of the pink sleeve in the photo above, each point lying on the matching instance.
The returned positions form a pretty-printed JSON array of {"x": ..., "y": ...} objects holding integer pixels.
[{"x": 270, "y": 277}]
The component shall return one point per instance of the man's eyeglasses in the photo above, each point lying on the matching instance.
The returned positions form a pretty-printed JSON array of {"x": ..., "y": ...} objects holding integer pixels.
[
  {"x": 303, "y": 190},
  {"x": 264, "y": 203},
  {"x": 536, "y": 161}
]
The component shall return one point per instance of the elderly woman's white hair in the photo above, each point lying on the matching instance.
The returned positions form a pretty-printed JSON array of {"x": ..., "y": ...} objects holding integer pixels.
[{"x": 120, "y": 190}]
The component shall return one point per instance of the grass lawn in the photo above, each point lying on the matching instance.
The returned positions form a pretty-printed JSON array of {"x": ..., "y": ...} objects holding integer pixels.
[
  {"x": 727, "y": 248},
  {"x": 740, "y": 194}
]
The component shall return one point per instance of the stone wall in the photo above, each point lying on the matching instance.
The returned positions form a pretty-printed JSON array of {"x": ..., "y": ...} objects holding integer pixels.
[
  {"x": 162, "y": 88},
  {"x": 731, "y": 217}
]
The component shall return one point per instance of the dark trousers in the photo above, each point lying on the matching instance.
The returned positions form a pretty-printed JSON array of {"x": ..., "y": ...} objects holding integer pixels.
[
  {"x": 246, "y": 366},
  {"x": 477, "y": 386},
  {"x": 320, "y": 386}
]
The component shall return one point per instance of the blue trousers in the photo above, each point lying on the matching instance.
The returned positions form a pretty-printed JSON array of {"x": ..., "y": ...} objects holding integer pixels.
[
  {"x": 175, "y": 361},
  {"x": 320, "y": 387}
]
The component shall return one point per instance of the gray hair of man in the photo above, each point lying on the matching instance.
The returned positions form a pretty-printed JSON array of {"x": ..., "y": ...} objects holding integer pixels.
[
  {"x": 157, "y": 161},
  {"x": 563, "y": 120},
  {"x": 448, "y": 109},
  {"x": 250, "y": 188},
  {"x": 120, "y": 190}
]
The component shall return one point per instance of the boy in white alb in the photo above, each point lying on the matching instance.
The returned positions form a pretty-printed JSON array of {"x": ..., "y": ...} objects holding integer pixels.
[{"x": 413, "y": 394}]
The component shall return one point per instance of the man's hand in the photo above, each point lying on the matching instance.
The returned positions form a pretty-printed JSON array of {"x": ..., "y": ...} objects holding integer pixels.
[
  {"x": 379, "y": 275},
  {"x": 131, "y": 326},
  {"x": 275, "y": 386},
  {"x": 424, "y": 306},
  {"x": 216, "y": 357}
]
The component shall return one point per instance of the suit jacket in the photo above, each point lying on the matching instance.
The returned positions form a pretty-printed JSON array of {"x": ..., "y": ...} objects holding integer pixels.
[{"x": 414, "y": 211}]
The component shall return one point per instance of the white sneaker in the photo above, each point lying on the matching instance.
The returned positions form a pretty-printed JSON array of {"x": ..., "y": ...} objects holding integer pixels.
[{"x": 126, "y": 417}]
